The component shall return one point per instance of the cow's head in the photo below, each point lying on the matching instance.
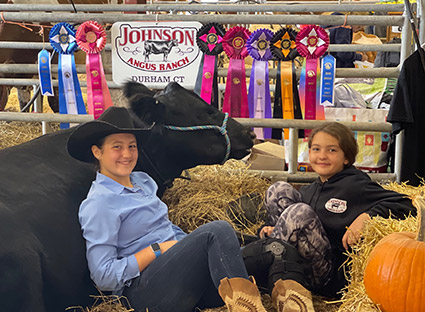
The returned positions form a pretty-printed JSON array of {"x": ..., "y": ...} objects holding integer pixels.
[{"x": 176, "y": 106}]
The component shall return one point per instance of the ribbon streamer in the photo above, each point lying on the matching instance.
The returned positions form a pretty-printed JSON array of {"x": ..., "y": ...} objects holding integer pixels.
[
  {"x": 327, "y": 82},
  {"x": 286, "y": 102},
  {"x": 62, "y": 39},
  {"x": 209, "y": 39},
  {"x": 312, "y": 42},
  {"x": 235, "y": 101},
  {"x": 259, "y": 103},
  {"x": 91, "y": 38},
  {"x": 44, "y": 73}
]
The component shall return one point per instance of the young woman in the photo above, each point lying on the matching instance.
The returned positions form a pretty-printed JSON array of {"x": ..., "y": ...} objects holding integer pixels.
[
  {"x": 132, "y": 247},
  {"x": 325, "y": 218}
]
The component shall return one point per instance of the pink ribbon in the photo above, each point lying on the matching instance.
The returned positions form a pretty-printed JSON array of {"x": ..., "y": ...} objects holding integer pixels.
[
  {"x": 91, "y": 38},
  {"x": 208, "y": 77},
  {"x": 235, "y": 101},
  {"x": 312, "y": 42}
]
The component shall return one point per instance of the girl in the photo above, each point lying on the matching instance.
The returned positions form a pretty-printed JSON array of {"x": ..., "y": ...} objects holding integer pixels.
[
  {"x": 325, "y": 218},
  {"x": 132, "y": 247}
]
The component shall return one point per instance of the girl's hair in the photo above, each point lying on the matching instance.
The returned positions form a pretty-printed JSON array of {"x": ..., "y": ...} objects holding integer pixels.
[
  {"x": 99, "y": 144},
  {"x": 345, "y": 138}
]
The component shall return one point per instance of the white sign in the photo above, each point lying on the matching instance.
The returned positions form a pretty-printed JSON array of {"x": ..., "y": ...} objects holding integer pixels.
[{"x": 155, "y": 53}]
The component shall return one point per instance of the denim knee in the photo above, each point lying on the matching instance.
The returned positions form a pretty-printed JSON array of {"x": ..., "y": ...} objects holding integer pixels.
[{"x": 218, "y": 227}]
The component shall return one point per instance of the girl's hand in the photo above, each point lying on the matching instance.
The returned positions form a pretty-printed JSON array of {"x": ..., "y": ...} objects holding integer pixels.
[
  {"x": 353, "y": 233},
  {"x": 266, "y": 231}
]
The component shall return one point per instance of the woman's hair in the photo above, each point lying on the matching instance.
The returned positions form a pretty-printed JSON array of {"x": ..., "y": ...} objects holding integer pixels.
[{"x": 345, "y": 138}]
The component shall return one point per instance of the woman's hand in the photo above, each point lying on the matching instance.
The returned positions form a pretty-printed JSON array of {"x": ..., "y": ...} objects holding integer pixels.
[
  {"x": 266, "y": 231},
  {"x": 167, "y": 245},
  {"x": 353, "y": 233}
]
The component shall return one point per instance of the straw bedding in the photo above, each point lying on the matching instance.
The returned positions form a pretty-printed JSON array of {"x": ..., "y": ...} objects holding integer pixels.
[{"x": 214, "y": 193}]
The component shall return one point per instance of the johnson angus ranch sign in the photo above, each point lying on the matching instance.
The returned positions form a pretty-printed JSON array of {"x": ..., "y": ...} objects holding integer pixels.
[{"x": 155, "y": 53}]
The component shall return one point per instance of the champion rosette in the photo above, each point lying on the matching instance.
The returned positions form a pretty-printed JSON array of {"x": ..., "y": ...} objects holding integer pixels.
[{"x": 91, "y": 38}]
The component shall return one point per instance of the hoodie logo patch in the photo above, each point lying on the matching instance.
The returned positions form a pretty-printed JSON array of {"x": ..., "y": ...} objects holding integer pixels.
[{"x": 336, "y": 205}]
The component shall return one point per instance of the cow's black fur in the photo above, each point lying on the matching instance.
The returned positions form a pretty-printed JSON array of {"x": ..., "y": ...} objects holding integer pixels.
[{"x": 42, "y": 253}]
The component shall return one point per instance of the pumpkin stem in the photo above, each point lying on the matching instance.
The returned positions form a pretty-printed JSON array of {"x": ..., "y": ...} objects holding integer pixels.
[{"x": 419, "y": 203}]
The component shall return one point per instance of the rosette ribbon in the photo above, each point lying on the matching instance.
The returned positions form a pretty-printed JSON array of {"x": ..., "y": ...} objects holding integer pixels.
[
  {"x": 312, "y": 42},
  {"x": 327, "y": 82},
  {"x": 209, "y": 39},
  {"x": 259, "y": 103},
  {"x": 62, "y": 39},
  {"x": 286, "y": 101},
  {"x": 91, "y": 38},
  {"x": 235, "y": 101},
  {"x": 44, "y": 73}
]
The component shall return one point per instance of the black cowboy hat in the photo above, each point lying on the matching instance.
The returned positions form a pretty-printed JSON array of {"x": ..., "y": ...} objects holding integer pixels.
[{"x": 113, "y": 120}]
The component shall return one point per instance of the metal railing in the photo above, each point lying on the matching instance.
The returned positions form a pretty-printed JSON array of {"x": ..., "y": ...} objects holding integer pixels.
[{"x": 280, "y": 13}]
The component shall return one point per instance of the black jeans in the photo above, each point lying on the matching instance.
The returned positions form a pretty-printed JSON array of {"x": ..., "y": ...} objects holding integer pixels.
[{"x": 188, "y": 274}]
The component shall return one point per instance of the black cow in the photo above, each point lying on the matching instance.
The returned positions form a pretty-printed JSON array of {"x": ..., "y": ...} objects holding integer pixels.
[
  {"x": 42, "y": 253},
  {"x": 159, "y": 47}
]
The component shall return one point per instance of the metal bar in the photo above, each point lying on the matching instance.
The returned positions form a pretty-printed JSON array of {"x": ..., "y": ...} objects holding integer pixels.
[
  {"x": 204, "y": 18},
  {"x": 387, "y": 72},
  {"x": 196, "y": 7},
  {"x": 254, "y": 122},
  {"x": 310, "y": 124},
  {"x": 49, "y": 117},
  {"x": 293, "y": 150},
  {"x": 307, "y": 177},
  {"x": 108, "y": 46}
]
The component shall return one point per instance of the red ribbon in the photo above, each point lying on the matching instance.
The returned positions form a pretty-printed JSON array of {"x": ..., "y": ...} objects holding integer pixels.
[
  {"x": 235, "y": 101},
  {"x": 91, "y": 38}
]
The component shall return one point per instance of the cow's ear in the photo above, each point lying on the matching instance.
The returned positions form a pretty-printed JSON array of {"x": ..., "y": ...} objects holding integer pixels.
[
  {"x": 147, "y": 109},
  {"x": 132, "y": 88}
]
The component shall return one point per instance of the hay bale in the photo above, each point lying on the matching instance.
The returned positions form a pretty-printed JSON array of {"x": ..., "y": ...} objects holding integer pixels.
[
  {"x": 16, "y": 132},
  {"x": 207, "y": 196},
  {"x": 105, "y": 303},
  {"x": 354, "y": 297}
]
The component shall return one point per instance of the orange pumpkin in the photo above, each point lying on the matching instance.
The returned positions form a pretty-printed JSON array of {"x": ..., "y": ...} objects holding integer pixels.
[{"x": 395, "y": 274}]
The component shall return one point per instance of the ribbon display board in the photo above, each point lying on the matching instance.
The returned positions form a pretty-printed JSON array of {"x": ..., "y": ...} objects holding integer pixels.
[
  {"x": 91, "y": 38},
  {"x": 312, "y": 42},
  {"x": 209, "y": 39},
  {"x": 259, "y": 103},
  {"x": 62, "y": 39},
  {"x": 286, "y": 102},
  {"x": 235, "y": 101}
]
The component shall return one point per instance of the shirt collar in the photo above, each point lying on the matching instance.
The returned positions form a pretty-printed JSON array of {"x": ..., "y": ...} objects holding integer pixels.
[{"x": 116, "y": 187}]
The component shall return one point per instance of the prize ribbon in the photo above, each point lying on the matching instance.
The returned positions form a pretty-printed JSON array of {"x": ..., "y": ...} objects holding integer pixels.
[
  {"x": 259, "y": 103},
  {"x": 209, "y": 39},
  {"x": 312, "y": 42},
  {"x": 44, "y": 73},
  {"x": 235, "y": 96},
  {"x": 91, "y": 38},
  {"x": 327, "y": 82},
  {"x": 286, "y": 102},
  {"x": 62, "y": 39}
]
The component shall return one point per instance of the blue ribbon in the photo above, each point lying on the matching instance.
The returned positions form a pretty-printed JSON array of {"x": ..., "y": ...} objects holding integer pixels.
[
  {"x": 327, "y": 81},
  {"x": 62, "y": 39},
  {"x": 44, "y": 73}
]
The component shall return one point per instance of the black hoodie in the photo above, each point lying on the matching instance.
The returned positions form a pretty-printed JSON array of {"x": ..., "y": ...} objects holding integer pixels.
[{"x": 342, "y": 198}]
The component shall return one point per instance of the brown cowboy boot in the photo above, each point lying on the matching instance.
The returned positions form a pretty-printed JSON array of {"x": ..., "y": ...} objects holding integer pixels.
[
  {"x": 240, "y": 295},
  {"x": 291, "y": 296}
]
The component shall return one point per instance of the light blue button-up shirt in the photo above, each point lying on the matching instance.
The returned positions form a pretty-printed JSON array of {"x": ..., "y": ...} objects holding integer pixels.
[{"x": 117, "y": 222}]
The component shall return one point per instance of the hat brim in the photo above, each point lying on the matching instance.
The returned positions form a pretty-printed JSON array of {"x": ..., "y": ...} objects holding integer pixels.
[{"x": 86, "y": 135}]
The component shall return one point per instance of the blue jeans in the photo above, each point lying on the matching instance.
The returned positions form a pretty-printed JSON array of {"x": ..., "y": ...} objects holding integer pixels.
[{"x": 188, "y": 274}]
